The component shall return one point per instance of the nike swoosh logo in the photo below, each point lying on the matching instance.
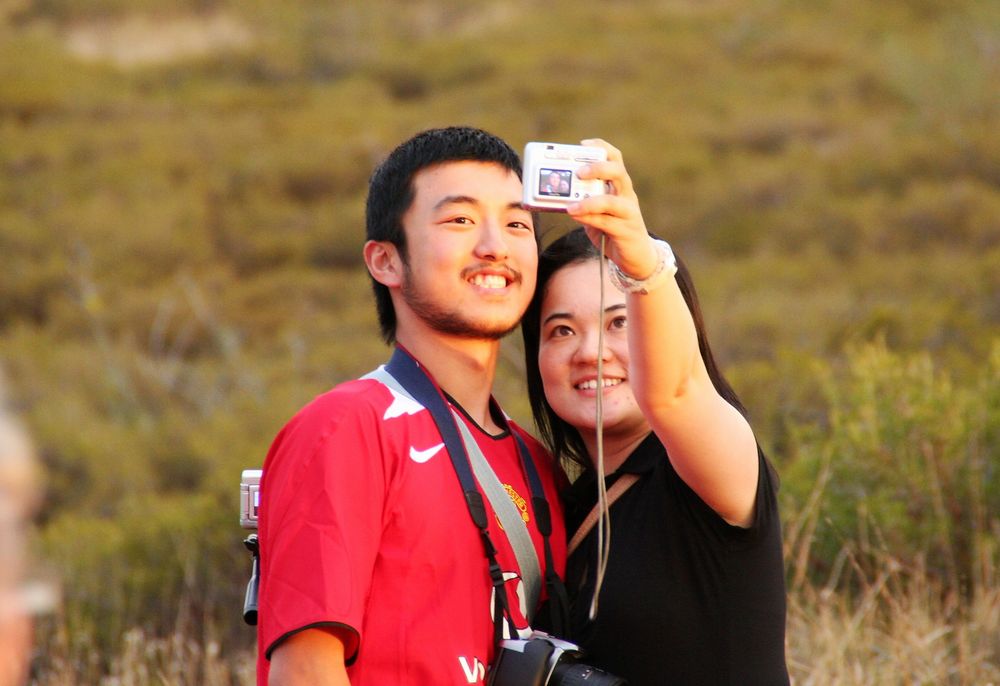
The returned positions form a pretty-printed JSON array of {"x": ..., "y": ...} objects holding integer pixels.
[{"x": 421, "y": 456}]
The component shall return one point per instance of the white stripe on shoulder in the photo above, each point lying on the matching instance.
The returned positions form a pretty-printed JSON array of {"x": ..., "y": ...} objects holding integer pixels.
[{"x": 402, "y": 403}]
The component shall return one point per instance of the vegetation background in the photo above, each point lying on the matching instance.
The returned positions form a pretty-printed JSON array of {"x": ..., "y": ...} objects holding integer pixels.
[{"x": 181, "y": 210}]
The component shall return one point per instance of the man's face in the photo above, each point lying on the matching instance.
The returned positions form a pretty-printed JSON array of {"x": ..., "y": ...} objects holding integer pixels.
[{"x": 471, "y": 251}]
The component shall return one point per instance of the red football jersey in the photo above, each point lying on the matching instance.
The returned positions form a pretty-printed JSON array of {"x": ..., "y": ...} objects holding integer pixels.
[{"x": 363, "y": 524}]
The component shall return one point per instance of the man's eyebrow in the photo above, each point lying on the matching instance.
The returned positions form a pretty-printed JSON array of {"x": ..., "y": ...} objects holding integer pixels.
[
  {"x": 469, "y": 200},
  {"x": 455, "y": 200}
]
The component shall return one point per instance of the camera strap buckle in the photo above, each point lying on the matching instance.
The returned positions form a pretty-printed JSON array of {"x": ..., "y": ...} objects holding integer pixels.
[{"x": 250, "y": 600}]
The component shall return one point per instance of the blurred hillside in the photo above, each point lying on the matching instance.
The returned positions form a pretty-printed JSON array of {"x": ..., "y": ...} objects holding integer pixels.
[{"x": 181, "y": 216}]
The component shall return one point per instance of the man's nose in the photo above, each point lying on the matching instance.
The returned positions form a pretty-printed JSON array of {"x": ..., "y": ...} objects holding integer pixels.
[{"x": 492, "y": 244}]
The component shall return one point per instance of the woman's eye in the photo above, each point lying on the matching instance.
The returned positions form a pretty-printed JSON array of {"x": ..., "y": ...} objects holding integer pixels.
[
  {"x": 560, "y": 331},
  {"x": 619, "y": 323}
]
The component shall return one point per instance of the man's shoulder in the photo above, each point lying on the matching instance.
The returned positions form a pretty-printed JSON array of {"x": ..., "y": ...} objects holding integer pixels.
[
  {"x": 354, "y": 398},
  {"x": 358, "y": 413},
  {"x": 354, "y": 392}
]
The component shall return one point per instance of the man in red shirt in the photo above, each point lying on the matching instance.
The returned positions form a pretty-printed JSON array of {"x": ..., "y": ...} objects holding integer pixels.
[{"x": 372, "y": 571}]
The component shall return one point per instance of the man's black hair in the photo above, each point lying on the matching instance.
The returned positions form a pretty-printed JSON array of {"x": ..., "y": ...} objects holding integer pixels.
[{"x": 390, "y": 190}]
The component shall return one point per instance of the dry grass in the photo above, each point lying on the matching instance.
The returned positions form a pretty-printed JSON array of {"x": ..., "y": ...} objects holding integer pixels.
[
  {"x": 177, "y": 660},
  {"x": 900, "y": 627}
]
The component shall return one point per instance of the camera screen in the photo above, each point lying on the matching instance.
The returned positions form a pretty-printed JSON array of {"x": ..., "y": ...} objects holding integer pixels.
[{"x": 554, "y": 182}]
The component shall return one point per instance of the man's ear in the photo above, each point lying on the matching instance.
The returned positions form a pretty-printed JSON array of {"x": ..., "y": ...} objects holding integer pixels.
[{"x": 384, "y": 263}]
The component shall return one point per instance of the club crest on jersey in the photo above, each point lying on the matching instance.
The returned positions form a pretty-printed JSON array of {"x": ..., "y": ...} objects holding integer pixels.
[{"x": 520, "y": 503}]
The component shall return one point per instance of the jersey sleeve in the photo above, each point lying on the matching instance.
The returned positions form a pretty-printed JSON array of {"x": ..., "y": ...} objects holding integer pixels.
[{"x": 321, "y": 517}]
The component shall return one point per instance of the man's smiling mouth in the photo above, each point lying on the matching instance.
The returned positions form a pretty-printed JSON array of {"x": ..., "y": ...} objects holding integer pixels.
[{"x": 489, "y": 281}]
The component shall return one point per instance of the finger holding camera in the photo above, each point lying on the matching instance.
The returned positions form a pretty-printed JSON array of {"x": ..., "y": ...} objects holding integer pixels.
[
  {"x": 617, "y": 215},
  {"x": 612, "y": 170}
]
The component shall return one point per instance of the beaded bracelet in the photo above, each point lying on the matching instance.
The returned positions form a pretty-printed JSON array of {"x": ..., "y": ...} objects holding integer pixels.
[{"x": 665, "y": 269}]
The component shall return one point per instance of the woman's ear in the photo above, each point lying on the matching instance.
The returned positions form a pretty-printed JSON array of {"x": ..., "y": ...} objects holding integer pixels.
[{"x": 384, "y": 263}]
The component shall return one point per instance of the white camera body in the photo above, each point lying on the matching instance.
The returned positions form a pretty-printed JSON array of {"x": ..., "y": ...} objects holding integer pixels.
[
  {"x": 249, "y": 497},
  {"x": 550, "y": 180}
]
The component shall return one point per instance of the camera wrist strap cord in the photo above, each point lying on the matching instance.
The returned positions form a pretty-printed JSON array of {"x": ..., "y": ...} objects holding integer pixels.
[{"x": 604, "y": 519}]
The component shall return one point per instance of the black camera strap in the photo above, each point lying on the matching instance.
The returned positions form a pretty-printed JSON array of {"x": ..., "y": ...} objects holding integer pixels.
[
  {"x": 408, "y": 373},
  {"x": 558, "y": 597}
]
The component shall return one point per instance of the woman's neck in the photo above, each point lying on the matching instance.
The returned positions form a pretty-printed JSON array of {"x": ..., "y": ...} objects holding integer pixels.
[{"x": 616, "y": 448}]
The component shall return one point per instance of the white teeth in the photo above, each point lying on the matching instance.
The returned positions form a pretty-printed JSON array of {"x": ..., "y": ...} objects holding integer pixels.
[
  {"x": 489, "y": 281},
  {"x": 591, "y": 385}
]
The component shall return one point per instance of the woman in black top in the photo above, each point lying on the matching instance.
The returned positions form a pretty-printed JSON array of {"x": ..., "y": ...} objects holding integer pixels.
[{"x": 693, "y": 591}]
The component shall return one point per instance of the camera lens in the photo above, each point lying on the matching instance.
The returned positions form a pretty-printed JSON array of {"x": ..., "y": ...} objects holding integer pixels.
[{"x": 576, "y": 674}]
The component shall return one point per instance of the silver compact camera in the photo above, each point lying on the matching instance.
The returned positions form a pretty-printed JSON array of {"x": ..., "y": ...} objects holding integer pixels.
[
  {"x": 550, "y": 180},
  {"x": 249, "y": 505},
  {"x": 544, "y": 660},
  {"x": 249, "y": 497}
]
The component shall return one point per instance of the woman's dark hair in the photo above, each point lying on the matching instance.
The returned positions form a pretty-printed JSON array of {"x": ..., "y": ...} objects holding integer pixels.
[
  {"x": 562, "y": 438},
  {"x": 390, "y": 190}
]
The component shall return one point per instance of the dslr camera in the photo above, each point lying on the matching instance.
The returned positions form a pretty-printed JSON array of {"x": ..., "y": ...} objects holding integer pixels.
[
  {"x": 249, "y": 504},
  {"x": 544, "y": 660},
  {"x": 550, "y": 180}
]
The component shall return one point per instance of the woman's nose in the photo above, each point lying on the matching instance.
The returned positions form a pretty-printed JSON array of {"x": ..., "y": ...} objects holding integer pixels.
[{"x": 587, "y": 350}]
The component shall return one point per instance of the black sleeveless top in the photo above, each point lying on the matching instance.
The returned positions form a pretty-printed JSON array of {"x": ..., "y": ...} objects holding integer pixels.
[{"x": 687, "y": 598}]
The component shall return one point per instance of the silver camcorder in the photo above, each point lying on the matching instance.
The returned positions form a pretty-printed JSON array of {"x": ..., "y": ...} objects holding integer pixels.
[
  {"x": 550, "y": 180},
  {"x": 249, "y": 497},
  {"x": 544, "y": 660}
]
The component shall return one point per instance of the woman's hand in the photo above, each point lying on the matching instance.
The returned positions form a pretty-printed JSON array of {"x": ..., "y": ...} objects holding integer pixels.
[{"x": 616, "y": 215}]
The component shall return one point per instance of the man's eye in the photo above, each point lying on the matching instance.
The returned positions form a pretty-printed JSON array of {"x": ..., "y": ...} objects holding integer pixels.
[{"x": 522, "y": 225}]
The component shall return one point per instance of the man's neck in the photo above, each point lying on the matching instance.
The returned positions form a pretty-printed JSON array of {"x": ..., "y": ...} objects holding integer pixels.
[{"x": 463, "y": 367}]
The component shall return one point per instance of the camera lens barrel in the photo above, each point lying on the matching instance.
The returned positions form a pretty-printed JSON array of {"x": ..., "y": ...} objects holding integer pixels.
[
  {"x": 569, "y": 673},
  {"x": 544, "y": 660}
]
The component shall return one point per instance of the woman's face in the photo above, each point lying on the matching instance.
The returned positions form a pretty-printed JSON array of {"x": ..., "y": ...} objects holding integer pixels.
[{"x": 568, "y": 351}]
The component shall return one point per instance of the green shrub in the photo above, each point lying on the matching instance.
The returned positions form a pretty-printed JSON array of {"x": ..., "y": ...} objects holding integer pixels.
[{"x": 906, "y": 464}]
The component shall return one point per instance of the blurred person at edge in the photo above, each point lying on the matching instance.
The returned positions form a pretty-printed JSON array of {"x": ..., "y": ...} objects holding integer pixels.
[
  {"x": 694, "y": 587},
  {"x": 19, "y": 495},
  {"x": 372, "y": 571}
]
